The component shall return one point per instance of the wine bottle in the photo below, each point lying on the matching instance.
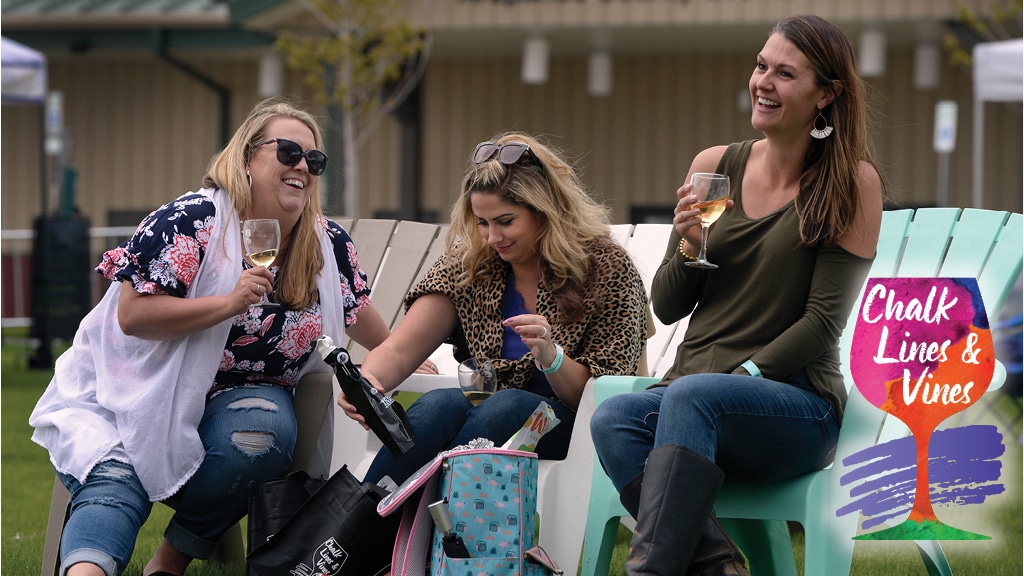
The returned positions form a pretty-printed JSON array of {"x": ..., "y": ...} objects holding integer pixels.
[{"x": 452, "y": 543}]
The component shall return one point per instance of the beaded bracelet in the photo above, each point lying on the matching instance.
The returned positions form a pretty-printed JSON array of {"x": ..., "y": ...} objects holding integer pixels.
[{"x": 683, "y": 251}]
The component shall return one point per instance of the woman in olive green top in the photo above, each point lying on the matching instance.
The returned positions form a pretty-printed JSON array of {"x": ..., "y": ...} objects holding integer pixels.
[{"x": 755, "y": 393}]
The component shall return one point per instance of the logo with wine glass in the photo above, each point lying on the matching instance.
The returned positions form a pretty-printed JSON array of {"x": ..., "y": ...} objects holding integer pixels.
[{"x": 923, "y": 351}]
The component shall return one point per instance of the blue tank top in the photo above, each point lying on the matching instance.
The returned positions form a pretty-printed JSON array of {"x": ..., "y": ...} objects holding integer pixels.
[{"x": 512, "y": 347}]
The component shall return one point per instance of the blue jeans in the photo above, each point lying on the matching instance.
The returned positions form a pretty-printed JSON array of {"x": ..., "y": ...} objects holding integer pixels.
[
  {"x": 755, "y": 430},
  {"x": 249, "y": 435},
  {"x": 443, "y": 419}
]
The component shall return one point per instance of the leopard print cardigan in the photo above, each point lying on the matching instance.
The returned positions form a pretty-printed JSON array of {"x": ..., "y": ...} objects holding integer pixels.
[{"x": 608, "y": 339}]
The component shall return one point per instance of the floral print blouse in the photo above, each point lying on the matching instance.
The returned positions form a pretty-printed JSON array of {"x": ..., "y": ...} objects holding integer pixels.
[{"x": 267, "y": 344}]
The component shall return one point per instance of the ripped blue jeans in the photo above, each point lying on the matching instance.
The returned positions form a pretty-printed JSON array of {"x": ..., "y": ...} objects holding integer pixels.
[{"x": 249, "y": 435}]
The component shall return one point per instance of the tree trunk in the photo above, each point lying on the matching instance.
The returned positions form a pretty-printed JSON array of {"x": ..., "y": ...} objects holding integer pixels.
[{"x": 350, "y": 166}]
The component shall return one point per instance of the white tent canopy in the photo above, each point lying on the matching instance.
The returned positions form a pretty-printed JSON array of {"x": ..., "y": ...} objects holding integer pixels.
[
  {"x": 998, "y": 77},
  {"x": 24, "y": 74}
]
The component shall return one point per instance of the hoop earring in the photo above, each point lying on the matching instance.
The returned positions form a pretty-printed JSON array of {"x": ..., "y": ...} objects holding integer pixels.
[
  {"x": 821, "y": 133},
  {"x": 249, "y": 178}
]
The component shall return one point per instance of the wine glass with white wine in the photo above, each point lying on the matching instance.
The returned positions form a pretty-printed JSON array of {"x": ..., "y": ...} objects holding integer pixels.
[
  {"x": 712, "y": 191},
  {"x": 262, "y": 238},
  {"x": 477, "y": 379}
]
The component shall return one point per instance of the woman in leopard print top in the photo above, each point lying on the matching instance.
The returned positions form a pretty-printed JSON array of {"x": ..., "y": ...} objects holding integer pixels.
[{"x": 530, "y": 279}]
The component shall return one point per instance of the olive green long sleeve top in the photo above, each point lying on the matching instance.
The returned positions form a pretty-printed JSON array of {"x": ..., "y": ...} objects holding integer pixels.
[{"x": 778, "y": 305}]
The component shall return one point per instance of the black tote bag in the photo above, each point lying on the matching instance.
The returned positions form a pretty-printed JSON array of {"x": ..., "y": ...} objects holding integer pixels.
[{"x": 308, "y": 526}]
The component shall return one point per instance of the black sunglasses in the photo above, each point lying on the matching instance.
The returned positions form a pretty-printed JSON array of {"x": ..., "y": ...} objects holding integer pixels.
[
  {"x": 290, "y": 154},
  {"x": 507, "y": 154}
]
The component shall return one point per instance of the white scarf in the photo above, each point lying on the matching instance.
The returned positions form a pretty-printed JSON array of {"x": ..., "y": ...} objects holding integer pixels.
[{"x": 121, "y": 397}]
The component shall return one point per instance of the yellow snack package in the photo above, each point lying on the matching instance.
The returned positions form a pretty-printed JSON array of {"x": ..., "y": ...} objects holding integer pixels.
[{"x": 537, "y": 425}]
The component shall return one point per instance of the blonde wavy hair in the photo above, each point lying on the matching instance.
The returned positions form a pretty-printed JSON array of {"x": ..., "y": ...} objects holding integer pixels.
[
  {"x": 570, "y": 219},
  {"x": 302, "y": 258}
]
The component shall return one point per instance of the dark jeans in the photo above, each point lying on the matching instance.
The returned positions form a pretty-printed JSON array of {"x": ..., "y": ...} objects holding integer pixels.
[
  {"x": 443, "y": 419},
  {"x": 756, "y": 430}
]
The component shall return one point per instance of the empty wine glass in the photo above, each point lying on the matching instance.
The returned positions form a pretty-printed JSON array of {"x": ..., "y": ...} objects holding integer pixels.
[
  {"x": 262, "y": 238},
  {"x": 712, "y": 191}
]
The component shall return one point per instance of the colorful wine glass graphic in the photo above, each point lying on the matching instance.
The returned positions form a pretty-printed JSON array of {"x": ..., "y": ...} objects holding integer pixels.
[{"x": 922, "y": 351}]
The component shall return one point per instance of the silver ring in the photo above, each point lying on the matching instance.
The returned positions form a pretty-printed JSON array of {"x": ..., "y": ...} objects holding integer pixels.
[{"x": 544, "y": 333}]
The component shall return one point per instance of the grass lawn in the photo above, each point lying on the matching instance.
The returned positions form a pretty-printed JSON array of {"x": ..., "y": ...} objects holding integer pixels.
[{"x": 26, "y": 481}]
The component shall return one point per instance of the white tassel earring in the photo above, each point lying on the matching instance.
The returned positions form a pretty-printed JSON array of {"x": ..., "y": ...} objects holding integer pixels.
[{"x": 821, "y": 133}]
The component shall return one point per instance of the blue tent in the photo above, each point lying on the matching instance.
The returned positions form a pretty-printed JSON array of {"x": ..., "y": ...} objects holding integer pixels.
[
  {"x": 24, "y": 74},
  {"x": 24, "y": 82}
]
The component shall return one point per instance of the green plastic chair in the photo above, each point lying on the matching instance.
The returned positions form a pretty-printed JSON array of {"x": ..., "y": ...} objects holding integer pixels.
[{"x": 931, "y": 242}]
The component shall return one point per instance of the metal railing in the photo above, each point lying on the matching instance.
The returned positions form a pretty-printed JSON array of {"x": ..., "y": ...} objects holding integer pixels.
[{"x": 16, "y": 271}]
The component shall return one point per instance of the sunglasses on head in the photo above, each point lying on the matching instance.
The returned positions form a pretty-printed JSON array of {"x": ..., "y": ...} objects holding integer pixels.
[
  {"x": 507, "y": 154},
  {"x": 290, "y": 154}
]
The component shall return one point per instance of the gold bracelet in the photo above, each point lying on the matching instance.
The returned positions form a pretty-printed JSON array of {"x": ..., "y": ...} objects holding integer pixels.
[{"x": 683, "y": 251}]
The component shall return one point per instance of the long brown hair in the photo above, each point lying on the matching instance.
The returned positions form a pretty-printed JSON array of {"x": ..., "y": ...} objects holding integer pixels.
[
  {"x": 829, "y": 186},
  {"x": 569, "y": 217},
  {"x": 303, "y": 257}
]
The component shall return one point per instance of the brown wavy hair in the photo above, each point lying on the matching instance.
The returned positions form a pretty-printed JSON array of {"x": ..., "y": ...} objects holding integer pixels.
[{"x": 829, "y": 186}]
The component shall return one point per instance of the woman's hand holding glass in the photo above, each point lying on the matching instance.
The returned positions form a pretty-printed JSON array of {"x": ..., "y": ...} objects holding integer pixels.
[
  {"x": 701, "y": 203},
  {"x": 686, "y": 219},
  {"x": 262, "y": 239},
  {"x": 251, "y": 287}
]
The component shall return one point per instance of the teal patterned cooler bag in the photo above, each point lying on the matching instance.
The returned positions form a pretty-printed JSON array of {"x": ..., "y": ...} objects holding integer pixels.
[{"x": 492, "y": 501}]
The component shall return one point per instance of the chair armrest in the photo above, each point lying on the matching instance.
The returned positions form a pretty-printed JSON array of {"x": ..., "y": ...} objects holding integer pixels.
[
  {"x": 607, "y": 386},
  {"x": 998, "y": 377},
  {"x": 427, "y": 382}
]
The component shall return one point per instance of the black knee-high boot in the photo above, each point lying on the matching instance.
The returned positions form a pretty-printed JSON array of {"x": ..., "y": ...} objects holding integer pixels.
[
  {"x": 716, "y": 554},
  {"x": 630, "y": 495},
  {"x": 677, "y": 495}
]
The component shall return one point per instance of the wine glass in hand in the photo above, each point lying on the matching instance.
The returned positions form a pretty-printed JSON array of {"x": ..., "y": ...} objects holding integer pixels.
[
  {"x": 262, "y": 238},
  {"x": 712, "y": 191},
  {"x": 477, "y": 379}
]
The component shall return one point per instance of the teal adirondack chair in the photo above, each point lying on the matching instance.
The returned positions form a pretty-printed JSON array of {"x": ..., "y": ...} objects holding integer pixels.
[{"x": 931, "y": 242}]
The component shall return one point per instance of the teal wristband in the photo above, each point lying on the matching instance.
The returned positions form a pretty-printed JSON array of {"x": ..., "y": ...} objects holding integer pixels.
[
  {"x": 557, "y": 363},
  {"x": 752, "y": 368}
]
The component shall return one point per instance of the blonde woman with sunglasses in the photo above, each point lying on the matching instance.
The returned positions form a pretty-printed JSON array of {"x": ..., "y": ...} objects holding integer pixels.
[
  {"x": 176, "y": 385},
  {"x": 531, "y": 280}
]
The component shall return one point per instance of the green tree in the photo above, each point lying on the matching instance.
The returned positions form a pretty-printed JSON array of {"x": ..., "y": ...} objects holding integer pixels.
[
  {"x": 362, "y": 60},
  {"x": 981, "y": 21}
]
